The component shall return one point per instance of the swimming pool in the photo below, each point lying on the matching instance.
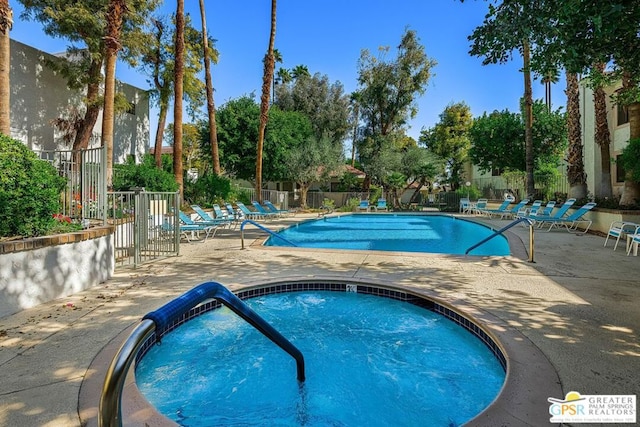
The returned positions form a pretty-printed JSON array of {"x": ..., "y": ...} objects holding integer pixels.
[
  {"x": 371, "y": 361},
  {"x": 394, "y": 232}
]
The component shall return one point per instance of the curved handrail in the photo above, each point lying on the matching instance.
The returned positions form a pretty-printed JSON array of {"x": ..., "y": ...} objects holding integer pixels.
[
  {"x": 110, "y": 410},
  {"x": 506, "y": 227},
  {"x": 248, "y": 221}
]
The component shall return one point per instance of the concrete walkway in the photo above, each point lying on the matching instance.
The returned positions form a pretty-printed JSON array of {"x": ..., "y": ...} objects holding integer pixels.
[{"x": 578, "y": 302}]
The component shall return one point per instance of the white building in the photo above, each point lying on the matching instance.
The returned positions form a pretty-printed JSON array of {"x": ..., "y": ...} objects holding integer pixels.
[{"x": 39, "y": 96}]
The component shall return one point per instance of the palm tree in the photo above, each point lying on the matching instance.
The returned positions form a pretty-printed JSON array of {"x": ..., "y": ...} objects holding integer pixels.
[
  {"x": 575, "y": 168},
  {"x": 300, "y": 71},
  {"x": 211, "y": 109},
  {"x": 178, "y": 87},
  {"x": 269, "y": 64},
  {"x": 117, "y": 8},
  {"x": 602, "y": 136},
  {"x": 6, "y": 21}
]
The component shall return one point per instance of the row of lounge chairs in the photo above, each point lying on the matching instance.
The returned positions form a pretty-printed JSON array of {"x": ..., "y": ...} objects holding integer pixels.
[
  {"x": 543, "y": 216},
  {"x": 226, "y": 216}
]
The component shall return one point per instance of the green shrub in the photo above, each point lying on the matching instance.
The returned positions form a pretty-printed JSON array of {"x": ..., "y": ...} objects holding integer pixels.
[
  {"x": 351, "y": 205},
  {"x": 30, "y": 191},
  {"x": 207, "y": 190},
  {"x": 145, "y": 175},
  {"x": 630, "y": 158}
]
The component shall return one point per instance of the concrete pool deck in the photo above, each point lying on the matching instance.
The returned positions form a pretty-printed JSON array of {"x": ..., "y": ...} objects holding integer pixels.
[{"x": 578, "y": 303}]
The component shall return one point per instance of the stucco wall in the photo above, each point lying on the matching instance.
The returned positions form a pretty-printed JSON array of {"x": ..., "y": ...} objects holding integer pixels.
[
  {"x": 40, "y": 95},
  {"x": 34, "y": 271}
]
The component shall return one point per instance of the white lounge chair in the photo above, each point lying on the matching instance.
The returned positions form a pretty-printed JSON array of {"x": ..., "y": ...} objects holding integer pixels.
[{"x": 619, "y": 229}]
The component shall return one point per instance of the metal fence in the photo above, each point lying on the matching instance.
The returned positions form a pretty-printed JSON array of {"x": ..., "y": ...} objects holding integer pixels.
[
  {"x": 496, "y": 186},
  {"x": 146, "y": 225},
  {"x": 84, "y": 196},
  {"x": 278, "y": 198}
]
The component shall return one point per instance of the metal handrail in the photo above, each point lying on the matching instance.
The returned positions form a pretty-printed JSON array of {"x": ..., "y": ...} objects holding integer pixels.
[
  {"x": 248, "y": 221},
  {"x": 506, "y": 227},
  {"x": 110, "y": 409}
]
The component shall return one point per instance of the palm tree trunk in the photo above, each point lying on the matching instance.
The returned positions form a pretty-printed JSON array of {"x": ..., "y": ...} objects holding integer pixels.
[
  {"x": 575, "y": 168},
  {"x": 211, "y": 109},
  {"x": 631, "y": 190},
  {"x": 528, "y": 121},
  {"x": 178, "y": 86},
  {"x": 269, "y": 64},
  {"x": 117, "y": 8},
  {"x": 6, "y": 21},
  {"x": 602, "y": 137}
]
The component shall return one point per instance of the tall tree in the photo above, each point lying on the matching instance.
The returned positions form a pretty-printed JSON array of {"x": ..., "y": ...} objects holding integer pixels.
[
  {"x": 211, "y": 108},
  {"x": 6, "y": 21},
  {"x": 117, "y": 9},
  {"x": 323, "y": 102},
  {"x": 449, "y": 139},
  {"x": 388, "y": 90},
  {"x": 507, "y": 27},
  {"x": 157, "y": 62},
  {"x": 269, "y": 64},
  {"x": 595, "y": 31},
  {"x": 82, "y": 23},
  {"x": 575, "y": 164},
  {"x": 602, "y": 135},
  {"x": 178, "y": 87}
]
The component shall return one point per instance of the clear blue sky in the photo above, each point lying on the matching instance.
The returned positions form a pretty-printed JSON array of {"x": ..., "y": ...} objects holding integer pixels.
[{"x": 327, "y": 36}]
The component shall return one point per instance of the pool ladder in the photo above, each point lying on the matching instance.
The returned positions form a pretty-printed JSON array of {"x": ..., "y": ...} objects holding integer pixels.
[
  {"x": 265, "y": 229},
  {"x": 110, "y": 409},
  {"x": 506, "y": 227}
]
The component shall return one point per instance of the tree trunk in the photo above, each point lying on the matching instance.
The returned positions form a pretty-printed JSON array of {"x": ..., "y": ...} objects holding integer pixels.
[
  {"x": 528, "y": 121},
  {"x": 162, "y": 121},
  {"x": 575, "y": 167},
  {"x": 211, "y": 109},
  {"x": 6, "y": 21},
  {"x": 269, "y": 63},
  {"x": 631, "y": 190},
  {"x": 304, "y": 189},
  {"x": 112, "y": 44},
  {"x": 87, "y": 123},
  {"x": 603, "y": 138},
  {"x": 178, "y": 86}
]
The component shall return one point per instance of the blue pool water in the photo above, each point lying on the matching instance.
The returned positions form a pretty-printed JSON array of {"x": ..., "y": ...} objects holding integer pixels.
[
  {"x": 391, "y": 232},
  {"x": 369, "y": 361}
]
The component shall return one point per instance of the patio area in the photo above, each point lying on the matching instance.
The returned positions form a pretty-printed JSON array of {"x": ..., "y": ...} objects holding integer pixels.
[{"x": 577, "y": 303}]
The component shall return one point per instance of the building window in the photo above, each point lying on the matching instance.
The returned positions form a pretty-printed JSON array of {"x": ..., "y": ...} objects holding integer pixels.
[
  {"x": 623, "y": 114},
  {"x": 496, "y": 172},
  {"x": 132, "y": 108},
  {"x": 619, "y": 169}
]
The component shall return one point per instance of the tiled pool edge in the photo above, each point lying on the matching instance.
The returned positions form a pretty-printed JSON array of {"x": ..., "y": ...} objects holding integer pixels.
[{"x": 522, "y": 401}]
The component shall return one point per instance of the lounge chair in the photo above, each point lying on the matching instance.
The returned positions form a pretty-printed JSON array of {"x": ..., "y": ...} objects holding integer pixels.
[
  {"x": 546, "y": 211},
  {"x": 480, "y": 205},
  {"x": 511, "y": 213},
  {"x": 572, "y": 221},
  {"x": 381, "y": 205},
  {"x": 364, "y": 205},
  {"x": 499, "y": 210},
  {"x": 618, "y": 229},
  {"x": 232, "y": 213},
  {"x": 273, "y": 208},
  {"x": 208, "y": 219},
  {"x": 194, "y": 228},
  {"x": 248, "y": 213},
  {"x": 560, "y": 213},
  {"x": 267, "y": 213}
]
